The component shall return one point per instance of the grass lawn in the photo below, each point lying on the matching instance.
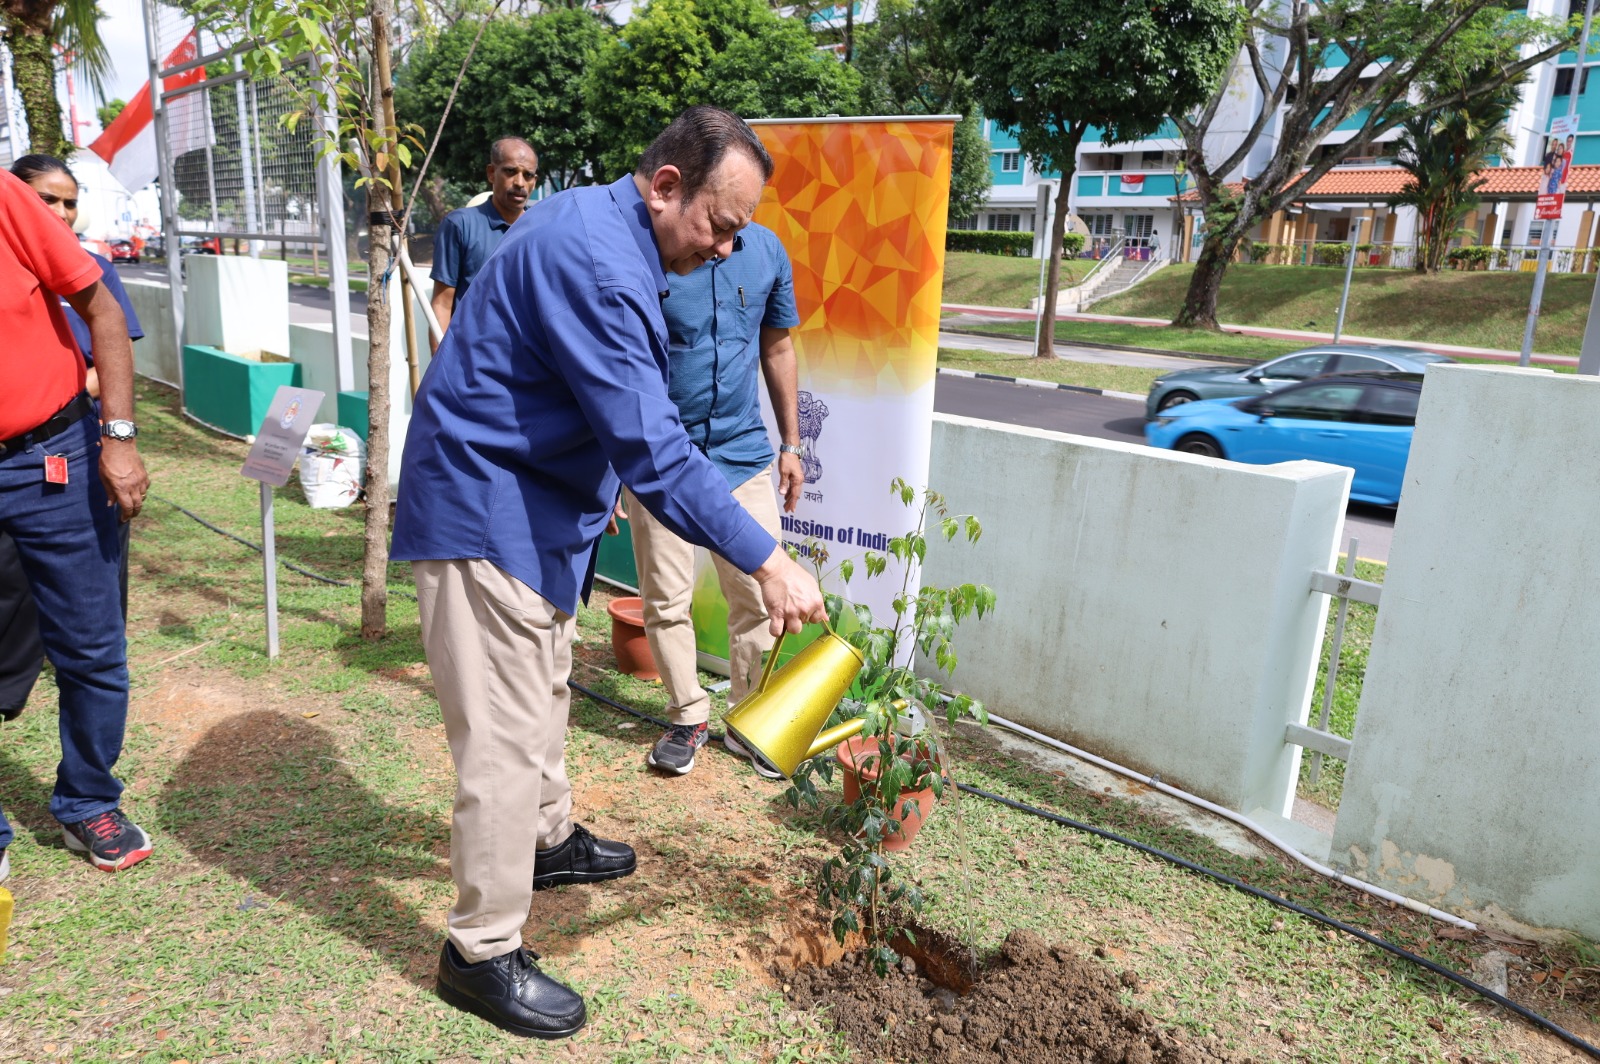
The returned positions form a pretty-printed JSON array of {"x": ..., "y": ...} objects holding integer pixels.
[
  {"x": 294, "y": 907},
  {"x": 1186, "y": 341},
  {"x": 357, "y": 284},
  {"x": 1473, "y": 309},
  {"x": 1000, "y": 280},
  {"x": 1133, "y": 379}
]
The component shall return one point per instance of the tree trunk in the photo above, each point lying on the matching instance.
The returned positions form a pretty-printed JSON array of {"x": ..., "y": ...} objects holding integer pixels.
[
  {"x": 380, "y": 206},
  {"x": 34, "y": 68},
  {"x": 1046, "y": 347},
  {"x": 1200, "y": 302}
]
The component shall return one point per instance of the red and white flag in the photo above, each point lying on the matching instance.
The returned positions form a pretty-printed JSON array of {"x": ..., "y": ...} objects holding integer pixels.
[
  {"x": 128, "y": 144},
  {"x": 1132, "y": 185}
]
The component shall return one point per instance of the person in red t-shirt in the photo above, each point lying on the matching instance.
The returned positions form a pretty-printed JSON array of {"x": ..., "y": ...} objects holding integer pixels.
[{"x": 66, "y": 480}]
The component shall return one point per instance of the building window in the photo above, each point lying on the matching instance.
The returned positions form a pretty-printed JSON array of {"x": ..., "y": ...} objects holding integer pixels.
[
  {"x": 1535, "y": 232},
  {"x": 1099, "y": 224},
  {"x": 1004, "y": 223},
  {"x": 1010, "y": 162},
  {"x": 969, "y": 222},
  {"x": 1564, "y": 82}
]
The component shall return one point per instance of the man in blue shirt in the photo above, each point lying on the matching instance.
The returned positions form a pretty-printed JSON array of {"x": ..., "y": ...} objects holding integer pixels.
[
  {"x": 547, "y": 394},
  {"x": 467, "y": 237},
  {"x": 725, "y": 321}
]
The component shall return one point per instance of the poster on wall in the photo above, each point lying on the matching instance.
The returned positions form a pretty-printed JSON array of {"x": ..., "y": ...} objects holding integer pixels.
[
  {"x": 860, "y": 205},
  {"x": 1555, "y": 165}
]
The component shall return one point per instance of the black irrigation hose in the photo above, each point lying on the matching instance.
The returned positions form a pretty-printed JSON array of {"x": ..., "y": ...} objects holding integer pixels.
[
  {"x": 1504, "y": 1002},
  {"x": 1238, "y": 884},
  {"x": 291, "y": 566}
]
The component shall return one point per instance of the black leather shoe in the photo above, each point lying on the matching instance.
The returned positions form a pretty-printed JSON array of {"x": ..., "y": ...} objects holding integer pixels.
[
  {"x": 582, "y": 859},
  {"x": 511, "y": 992}
]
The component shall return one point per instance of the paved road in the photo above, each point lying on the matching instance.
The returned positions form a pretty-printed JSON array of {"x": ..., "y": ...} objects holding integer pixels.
[{"x": 1106, "y": 418}]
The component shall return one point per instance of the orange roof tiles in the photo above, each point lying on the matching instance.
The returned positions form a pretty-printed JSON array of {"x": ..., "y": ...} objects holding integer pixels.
[{"x": 1378, "y": 182}]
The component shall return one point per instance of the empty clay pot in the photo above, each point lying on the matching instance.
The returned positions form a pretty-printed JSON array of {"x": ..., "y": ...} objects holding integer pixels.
[{"x": 628, "y": 643}]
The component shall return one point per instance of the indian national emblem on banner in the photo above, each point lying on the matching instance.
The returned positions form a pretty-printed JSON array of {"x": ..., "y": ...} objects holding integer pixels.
[{"x": 813, "y": 412}]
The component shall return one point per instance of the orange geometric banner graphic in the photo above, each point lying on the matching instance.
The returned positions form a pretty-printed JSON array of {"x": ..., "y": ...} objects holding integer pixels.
[{"x": 861, "y": 207}]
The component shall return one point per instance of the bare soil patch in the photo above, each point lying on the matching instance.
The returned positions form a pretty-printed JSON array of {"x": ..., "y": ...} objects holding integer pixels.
[{"x": 1033, "y": 1004}]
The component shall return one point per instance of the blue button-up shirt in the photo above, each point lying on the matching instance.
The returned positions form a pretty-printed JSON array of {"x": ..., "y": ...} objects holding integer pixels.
[
  {"x": 714, "y": 321},
  {"x": 549, "y": 385},
  {"x": 464, "y": 242}
]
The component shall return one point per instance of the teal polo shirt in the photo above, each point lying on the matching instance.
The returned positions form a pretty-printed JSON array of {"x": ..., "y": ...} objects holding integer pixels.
[
  {"x": 714, "y": 318},
  {"x": 464, "y": 242}
]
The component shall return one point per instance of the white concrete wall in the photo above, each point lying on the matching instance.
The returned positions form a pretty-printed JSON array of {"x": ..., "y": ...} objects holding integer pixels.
[
  {"x": 158, "y": 355},
  {"x": 1153, "y": 607},
  {"x": 237, "y": 304},
  {"x": 1475, "y": 779}
]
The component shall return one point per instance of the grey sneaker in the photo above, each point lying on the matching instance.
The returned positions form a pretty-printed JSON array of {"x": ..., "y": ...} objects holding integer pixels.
[
  {"x": 5, "y": 866},
  {"x": 738, "y": 749},
  {"x": 674, "y": 752}
]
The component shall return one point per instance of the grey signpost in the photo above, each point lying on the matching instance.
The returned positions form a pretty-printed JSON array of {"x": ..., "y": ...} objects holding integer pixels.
[
  {"x": 1349, "y": 267},
  {"x": 270, "y": 461}
]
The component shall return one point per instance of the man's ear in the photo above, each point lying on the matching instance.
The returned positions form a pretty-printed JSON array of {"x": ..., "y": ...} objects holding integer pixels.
[
  {"x": 488, "y": 174},
  {"x": 666, "y": 185}
]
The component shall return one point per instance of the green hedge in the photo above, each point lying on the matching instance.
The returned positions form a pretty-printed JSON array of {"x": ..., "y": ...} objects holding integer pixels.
[
  {"x": 1020, "y": 244},
  {"x": 1295, "y": 254},
  {"x": 1473, "y": 257}
]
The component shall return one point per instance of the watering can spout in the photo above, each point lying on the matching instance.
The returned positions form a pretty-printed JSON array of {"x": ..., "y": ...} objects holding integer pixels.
[{"x": 781, "y": 719}]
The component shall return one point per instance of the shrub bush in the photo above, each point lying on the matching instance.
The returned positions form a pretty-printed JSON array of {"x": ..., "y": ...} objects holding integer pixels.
[
  {"x": 1020, "y": 244},
  {"x": 1472, "y": 257}
]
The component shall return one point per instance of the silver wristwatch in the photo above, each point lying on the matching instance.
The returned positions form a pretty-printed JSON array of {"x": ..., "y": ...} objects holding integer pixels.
[
  {"x": 119, "y": 429},
  {"x": 789, "y": 448}
]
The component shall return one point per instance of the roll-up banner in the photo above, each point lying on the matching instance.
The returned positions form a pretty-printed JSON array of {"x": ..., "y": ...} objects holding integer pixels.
[{"x": 861, "y": 206}]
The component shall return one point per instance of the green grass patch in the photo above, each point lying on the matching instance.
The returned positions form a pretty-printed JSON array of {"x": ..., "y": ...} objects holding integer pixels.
[
  {"x": 300, "y": 808},
  {"x": 357, "y": 284},
  {"x": 1483, "y": 309},
  {"x": 1200, "y": 342},
  {"x": 1134, "y": 379},
  {"x": 1000, "y": 280}
]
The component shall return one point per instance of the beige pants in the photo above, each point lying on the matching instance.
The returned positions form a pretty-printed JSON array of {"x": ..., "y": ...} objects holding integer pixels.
[
  {"x": 500, "y": 656},
  {"x": 666, "y": 584}
]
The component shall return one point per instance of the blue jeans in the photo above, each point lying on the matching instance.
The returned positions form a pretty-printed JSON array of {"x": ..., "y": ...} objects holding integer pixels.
[{"x": 67, "y": 538}]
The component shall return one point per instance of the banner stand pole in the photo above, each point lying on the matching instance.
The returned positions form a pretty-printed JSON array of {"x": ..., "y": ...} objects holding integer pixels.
[{"x": 269, "y": 563}]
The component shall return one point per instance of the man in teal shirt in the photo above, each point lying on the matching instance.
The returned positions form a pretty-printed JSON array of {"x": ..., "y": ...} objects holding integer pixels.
[{"x": 726, "y": 321}]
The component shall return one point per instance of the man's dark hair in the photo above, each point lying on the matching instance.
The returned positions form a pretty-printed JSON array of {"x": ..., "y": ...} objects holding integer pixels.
[
  {"x": 696, "y": 143},
  {"x": 498, "y": 150},
  {"x": 31, "y": 166}
]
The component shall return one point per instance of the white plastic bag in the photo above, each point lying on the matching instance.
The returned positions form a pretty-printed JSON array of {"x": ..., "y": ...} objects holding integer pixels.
[{"x": 332, "y": 464}]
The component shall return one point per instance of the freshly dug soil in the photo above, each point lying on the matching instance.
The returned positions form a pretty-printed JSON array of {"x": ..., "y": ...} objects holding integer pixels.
[{"x": 1034, "y": 1004}]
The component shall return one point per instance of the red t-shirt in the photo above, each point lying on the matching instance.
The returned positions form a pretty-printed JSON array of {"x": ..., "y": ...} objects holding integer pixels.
[{"x": 40, "y": 367}]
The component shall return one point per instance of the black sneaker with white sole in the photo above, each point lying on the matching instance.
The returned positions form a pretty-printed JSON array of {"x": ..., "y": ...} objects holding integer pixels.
[
  {"x": 111, "y": 841},
  {"x": 738, "y": 749},
  {"x": 674, "y": 752}
]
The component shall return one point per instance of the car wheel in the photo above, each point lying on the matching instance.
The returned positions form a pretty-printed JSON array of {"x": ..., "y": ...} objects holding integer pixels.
[
  {"x": 1172, "y": 399},
  {"x": 1196, "y": 443}
]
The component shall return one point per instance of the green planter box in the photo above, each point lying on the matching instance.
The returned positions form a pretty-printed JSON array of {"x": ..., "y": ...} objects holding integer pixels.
[
  {"x": 352, "y": 413},
  {"x": 231, "y": 393}
]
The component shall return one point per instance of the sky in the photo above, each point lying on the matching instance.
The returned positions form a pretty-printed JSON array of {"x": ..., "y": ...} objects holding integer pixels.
[{"x": 123, "y": 29}]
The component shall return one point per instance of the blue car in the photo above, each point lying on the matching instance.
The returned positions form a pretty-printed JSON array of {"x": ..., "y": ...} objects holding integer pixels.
[{"x": 1360, "y": 420}]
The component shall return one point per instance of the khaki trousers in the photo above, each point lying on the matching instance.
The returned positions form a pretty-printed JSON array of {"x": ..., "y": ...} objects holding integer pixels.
[
  {"x": 666, "y": 586},
  {"x": 500, "y": 656}
]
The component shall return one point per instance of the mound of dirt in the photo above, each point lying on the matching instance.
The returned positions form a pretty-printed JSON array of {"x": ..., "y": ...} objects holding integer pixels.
[{"x": 1034, "y": 1004}]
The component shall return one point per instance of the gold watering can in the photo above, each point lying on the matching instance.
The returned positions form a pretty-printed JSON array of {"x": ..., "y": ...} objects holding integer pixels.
[{"x": 780, "y": 719}]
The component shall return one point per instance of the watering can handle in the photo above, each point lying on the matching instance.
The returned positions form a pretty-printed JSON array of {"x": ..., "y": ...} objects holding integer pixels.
[{"x": 772, "y": 657}]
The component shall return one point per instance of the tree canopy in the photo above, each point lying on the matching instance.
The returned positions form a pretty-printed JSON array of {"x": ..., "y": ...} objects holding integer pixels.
[
  {"x": 526, "y": 80},
  {"x": 736, "y": 54},
  {"x": 1050, "y": 70},
  {"x": 1316, "y": 66}
]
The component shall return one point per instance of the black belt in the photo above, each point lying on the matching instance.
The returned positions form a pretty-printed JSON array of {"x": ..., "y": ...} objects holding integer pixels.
[{"x": 61, "y": 421}]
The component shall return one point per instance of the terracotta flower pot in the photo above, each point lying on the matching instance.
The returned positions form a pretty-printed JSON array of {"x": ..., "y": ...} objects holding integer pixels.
[
  {"x": 628, "y": 643},
  {"x": 850, "y": 754}
]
